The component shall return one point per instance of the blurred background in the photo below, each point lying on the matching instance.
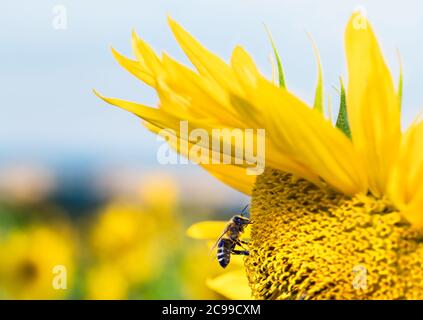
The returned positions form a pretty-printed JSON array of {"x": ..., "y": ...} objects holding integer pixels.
[{"x": 79, "y": 179}]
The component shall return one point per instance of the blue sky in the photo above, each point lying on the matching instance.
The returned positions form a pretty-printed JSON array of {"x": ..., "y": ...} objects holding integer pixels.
[{"x": 48, "y": 110}]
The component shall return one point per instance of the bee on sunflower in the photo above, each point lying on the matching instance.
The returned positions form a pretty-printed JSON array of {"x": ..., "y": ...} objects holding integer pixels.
[{"x": 339, "y": 208}]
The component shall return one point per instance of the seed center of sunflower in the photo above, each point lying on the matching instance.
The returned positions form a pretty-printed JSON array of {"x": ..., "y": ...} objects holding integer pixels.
[{"x": 313, "y": 243}]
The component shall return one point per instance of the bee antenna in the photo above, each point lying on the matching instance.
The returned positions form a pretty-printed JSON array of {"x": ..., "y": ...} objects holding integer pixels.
[{"x": 243, "y": 210}]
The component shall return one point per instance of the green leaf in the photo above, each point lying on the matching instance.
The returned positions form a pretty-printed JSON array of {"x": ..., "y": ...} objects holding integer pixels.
[
  {"x": 342, "y": 120},
  {"x": 318, "y": 96},
  {"x": 281, "y": 75}
]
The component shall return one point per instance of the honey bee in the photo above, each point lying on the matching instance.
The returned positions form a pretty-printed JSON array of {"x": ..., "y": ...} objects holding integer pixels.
[{"x": 230, "y": 238}]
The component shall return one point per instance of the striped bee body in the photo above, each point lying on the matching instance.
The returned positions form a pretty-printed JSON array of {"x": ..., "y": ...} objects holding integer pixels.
[
  {"x": 224, "y": 249},
  {"x": 230, "y": 238}
]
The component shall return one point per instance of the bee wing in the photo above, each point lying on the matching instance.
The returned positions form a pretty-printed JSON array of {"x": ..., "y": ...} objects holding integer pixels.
[
  {"x": 245, "y": 208},
  {"x": 221, "y": 236}
]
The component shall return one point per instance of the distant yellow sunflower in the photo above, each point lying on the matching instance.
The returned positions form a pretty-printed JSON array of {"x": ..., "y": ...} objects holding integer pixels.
[
  {"x": 106, "y": 282},
  {"x": 33, "y": 260},
  {"x": 130, "y": 243},
  {"x": 338, "y": 209},
  {"x": 125, "y": 237}
]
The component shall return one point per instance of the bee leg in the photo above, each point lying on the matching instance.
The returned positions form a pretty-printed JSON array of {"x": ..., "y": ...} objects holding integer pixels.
[
  {"x": 244, "y": 241},
  {"x": 240, "y": 243},
  {"x": 241, "y": 252}
]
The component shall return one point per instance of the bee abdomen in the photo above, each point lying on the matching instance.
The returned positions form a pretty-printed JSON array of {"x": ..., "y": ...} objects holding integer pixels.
[
  {"x": 224, "y": 260},
  {"x": 223, "y": 252}
]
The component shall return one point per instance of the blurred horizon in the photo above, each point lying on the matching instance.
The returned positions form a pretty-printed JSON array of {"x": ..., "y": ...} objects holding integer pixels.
[{"x": 50, "y": 114}]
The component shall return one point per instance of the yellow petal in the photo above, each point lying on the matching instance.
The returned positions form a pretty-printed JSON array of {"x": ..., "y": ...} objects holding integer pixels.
[
  {"x": 400, "y": 82},
  {"x": 212, "y": 230},
  {"x": 135, "y": 68},
  {"x": 184, "y": 93},
  {"x": 233, "y": 285},
  {"x": 233, "y": 176},
  {"x": 200, "y": 92},
  {"x": 152, "y": 115},
  {"x": 244, "y": 67},
  {"x": 302, "y": 134},
  {"x": 146, "y": 55},
  {"x": 406, "y": 183},
  {"x": 207, "y": 230},
  {"x": 298, "y": 139},
  {"x": 249, "y": 78},
  {"x": 207, "y": 63},
  {"x": 372, "y": 103}
]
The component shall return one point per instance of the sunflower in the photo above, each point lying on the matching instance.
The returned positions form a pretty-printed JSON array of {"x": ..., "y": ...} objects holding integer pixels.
[
  {"x": 121, "y": 236},
  {"x": 105, "y": 282},
  {"x": 31, "y": 261},
  {"x": 338, "y": 210},
  {"x": 131, "y": 242}
]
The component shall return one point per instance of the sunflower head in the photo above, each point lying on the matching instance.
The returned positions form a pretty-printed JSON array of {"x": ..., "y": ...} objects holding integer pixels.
[
  {"x": 338, "y": 210},
  {"x": 314, "y": 243}
]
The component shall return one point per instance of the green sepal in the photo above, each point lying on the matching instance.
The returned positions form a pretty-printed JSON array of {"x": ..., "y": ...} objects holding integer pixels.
[
  {"x": 281, "y": 75},
  {"x": 342, "y": 120}
]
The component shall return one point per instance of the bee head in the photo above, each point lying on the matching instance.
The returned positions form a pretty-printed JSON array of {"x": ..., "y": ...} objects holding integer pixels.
[{"x": 240, "y": 220}]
